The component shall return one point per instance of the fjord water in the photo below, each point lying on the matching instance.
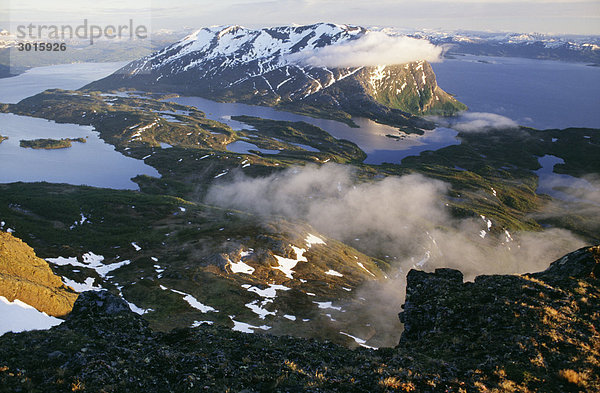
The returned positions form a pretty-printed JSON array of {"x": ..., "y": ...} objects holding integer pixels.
[
  {"x": 370, "y": 137},
  {"x": 541, "y": 94},
  {"x": 94, "y": 163},
  {"x": 535, "y": 93},
  {"x": 62, "y": 76}
]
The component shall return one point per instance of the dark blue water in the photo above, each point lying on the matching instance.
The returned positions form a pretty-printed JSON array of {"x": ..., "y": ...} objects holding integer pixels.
[
  {"x": 94, "y": 163},
  {"x": 535, "y": 93},
  {"x": 242, "y": 147}
]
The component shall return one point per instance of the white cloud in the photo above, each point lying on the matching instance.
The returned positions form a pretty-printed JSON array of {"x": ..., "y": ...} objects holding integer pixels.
[
  {"x": 404, "y": 217},
  {"x": 372, "y": 49},
  {"x": 482, "y": 121}
]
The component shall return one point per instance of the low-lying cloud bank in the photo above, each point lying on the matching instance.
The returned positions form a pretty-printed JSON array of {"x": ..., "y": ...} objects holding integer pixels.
[
  {"x": 402, "y": 217},
  {"x": 477, "y": 122},
  {"x": 372, "y": 49},
  {"x": 577, "y": 199}
]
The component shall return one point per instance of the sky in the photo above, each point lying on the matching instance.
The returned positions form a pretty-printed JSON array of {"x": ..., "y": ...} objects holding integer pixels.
[{"x": 543, "y": 16}]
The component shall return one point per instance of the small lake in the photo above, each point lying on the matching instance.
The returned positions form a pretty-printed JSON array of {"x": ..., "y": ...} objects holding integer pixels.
[
  {"x": 370, "y": 137},
  {"x": 534, "y": 93},
  {"x": 94, "y": 163},
  {"x": 242, "y": 147},
  {"x": 550, "y": 182}
]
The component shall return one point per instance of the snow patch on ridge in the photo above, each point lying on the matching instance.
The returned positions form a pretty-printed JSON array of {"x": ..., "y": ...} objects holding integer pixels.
[
  {"x": 87, "y": 285},
  {"x": 192, "y": 301},
  {"x": 240, "y": 267},
  {"x": 287, "y": 264},
  {"x": 332, "y": 272},
  {"x": 312, "y": 240},
  {"x": 327, "y": 305},
  {"x": 260, "y": 311},
  {"x": 269, "y": 292},
  {"x": 245, "y": 327},
  {"x": 90, "y": 261},
  {"x": 18, "y": 316},
  {"x": 358, "y": 340}
]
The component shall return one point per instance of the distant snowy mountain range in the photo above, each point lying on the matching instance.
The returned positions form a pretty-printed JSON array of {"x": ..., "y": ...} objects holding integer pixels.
[
  {"x": 531, "y": 45},
  {"x": 528, "y": 45},
  {"x": 576, "y": 48}
]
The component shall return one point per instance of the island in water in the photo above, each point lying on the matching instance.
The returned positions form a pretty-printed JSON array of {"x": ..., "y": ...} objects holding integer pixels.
[{"x": 50, "y": 143}]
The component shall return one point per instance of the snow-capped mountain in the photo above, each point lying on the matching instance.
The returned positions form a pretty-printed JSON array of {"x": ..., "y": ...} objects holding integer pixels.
[
  {"x": 528, "y": 45},
  {"x": 265, "y": 67},
  {"x": 250, "y": 61}
]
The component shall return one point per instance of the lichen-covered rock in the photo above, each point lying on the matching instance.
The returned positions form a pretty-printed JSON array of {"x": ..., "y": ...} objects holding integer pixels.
[
  {"x": 581, "y": 264},
  {"x": 421, "y": 315},
  {"x": 534, "y": 332},
  {"x": 28, "y": 278},
  {"x": 98, "y": 303}
]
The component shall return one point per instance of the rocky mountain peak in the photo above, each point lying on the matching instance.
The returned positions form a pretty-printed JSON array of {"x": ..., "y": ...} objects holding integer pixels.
[
  {"x": 26, "y": 277},
  {"x": 581, "y": 264}
]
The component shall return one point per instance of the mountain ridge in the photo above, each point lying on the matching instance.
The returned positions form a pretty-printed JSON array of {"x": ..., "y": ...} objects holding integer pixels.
[
  {"x": 571, "y": 48},
  {"x": 533, "y": 332}
]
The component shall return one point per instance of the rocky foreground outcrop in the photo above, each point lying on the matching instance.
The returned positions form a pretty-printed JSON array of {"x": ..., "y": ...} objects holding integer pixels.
[
  {"x": 28, "y": 278},
  {"x": 531, "y": 332},
  {"x": 535, "y": 332}
]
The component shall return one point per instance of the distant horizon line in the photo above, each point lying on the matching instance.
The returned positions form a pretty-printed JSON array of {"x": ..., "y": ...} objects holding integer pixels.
[{"x": 398, "y": 28}]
